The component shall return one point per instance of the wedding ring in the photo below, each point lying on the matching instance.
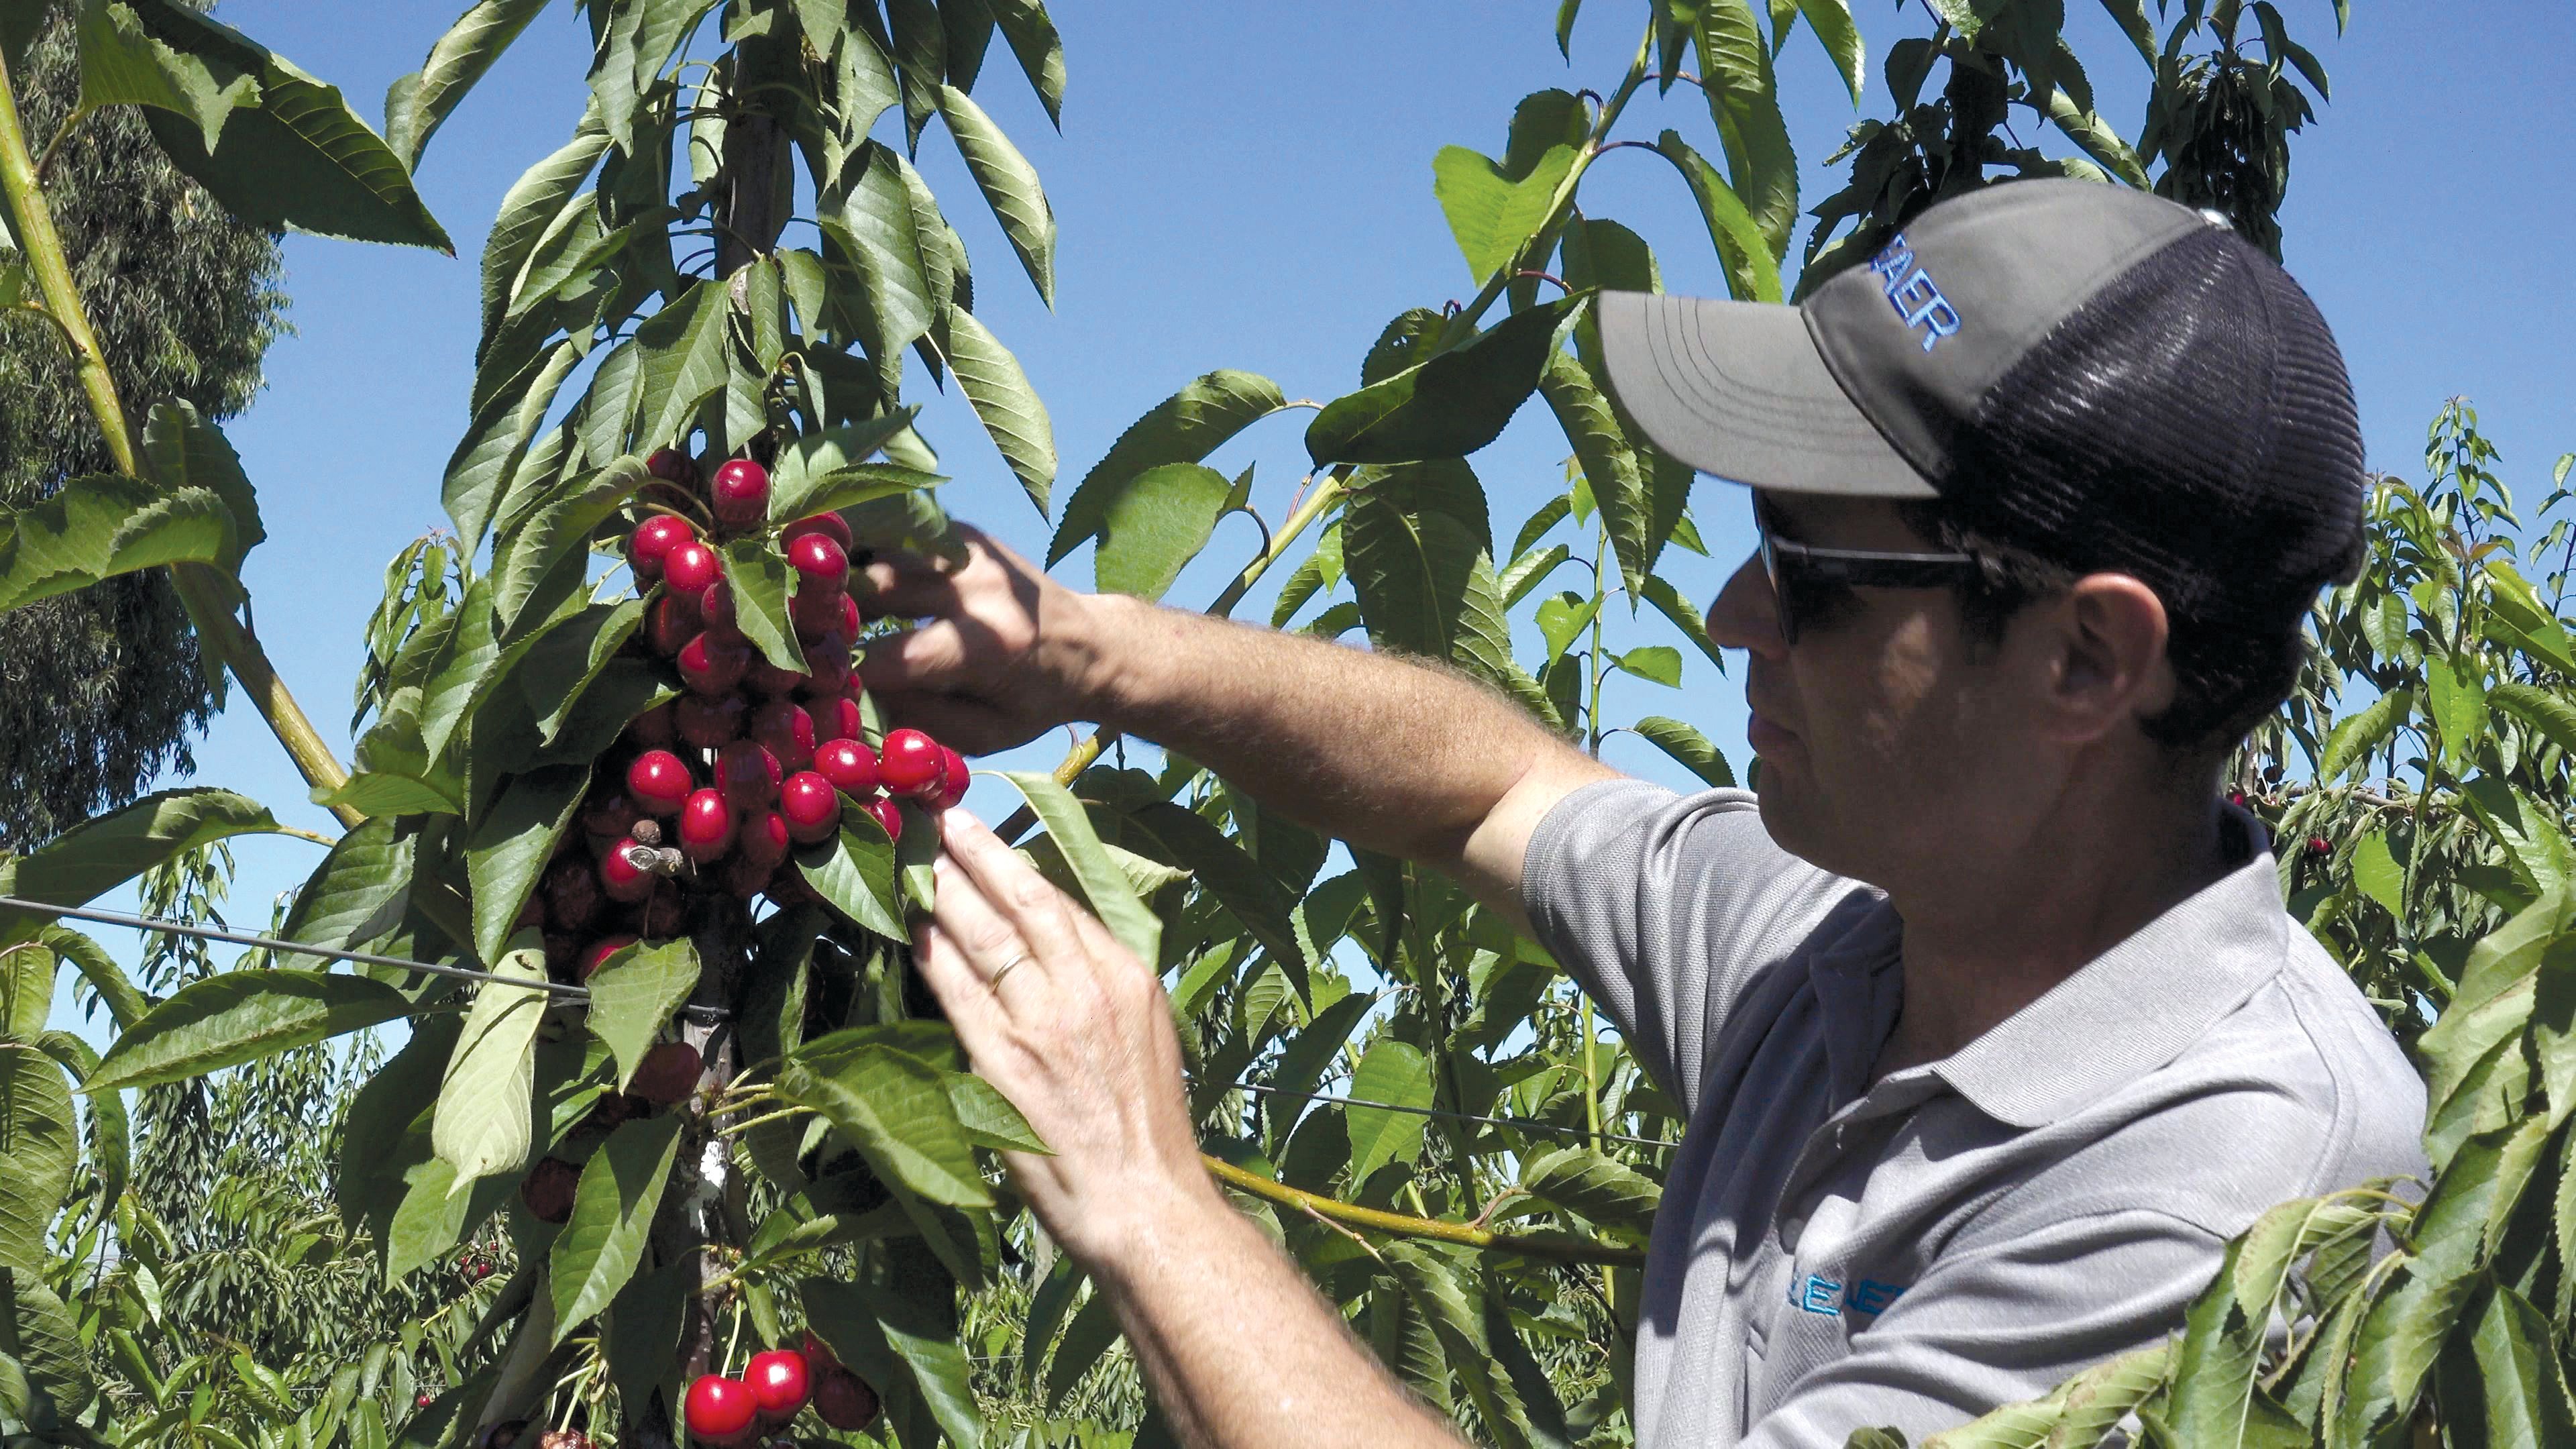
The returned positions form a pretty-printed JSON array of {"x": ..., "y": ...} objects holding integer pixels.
[{"x": 995, "y": 980}]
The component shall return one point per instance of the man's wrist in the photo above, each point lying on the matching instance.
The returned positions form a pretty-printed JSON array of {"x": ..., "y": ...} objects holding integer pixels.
[
  {"x": 1159, "y": 1226},
  {"x": 1105, "y": 668}
]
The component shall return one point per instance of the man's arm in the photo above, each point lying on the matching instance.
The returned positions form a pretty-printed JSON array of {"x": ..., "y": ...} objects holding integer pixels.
[
  {"x": 1240, "y": 1350},
  {"x": 1386, "y": 753}
]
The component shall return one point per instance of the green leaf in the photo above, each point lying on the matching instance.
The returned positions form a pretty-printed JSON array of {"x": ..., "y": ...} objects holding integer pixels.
[
  {"x": 685, "y": 350},
  {"x": 1743, "y": 99},
  {"x": 1841, "y": 38},
  {"x": 1253, "y": 895},
  {"x": 357, "y": 893},
  {"x": 1689, "y": 747},
  {"x": 1424, "y": 583},
  {"x": 188, "y": 451},
  {"x": 894, "y": 1107},
  {"x": 1599, "y": 1189},
  {"x": 1009, "y": 183},
  {"x": 1396, "y": 1073},
  {"x": 1447, "y": 407},
  {"x": 1752, "y": 272},
  {"x": 242, "y": 1016},
  {"x": 483, "y": 1127},
  {"x": 761, "y": 580},
  {"x": 1032, "y": 38},
  {"x": 1684, "y": 615},
  {"x": 808, "y": 469},
  {"x": 564, "y": 661},
  {"x": 633, "y": 995},
  {"x": 904, "y": 1343},
  {"x": 510, "y": 845},
  {"x": 855, "y": 872},
  {"x": 543, "y": 560},
  {"x": 2456, "y": 694},
  {"x": 1183, "y": 428},
  {"x": 1154, "y": 524},
  {"x": 2534, "y": 844},
  {"x": 45, "y": 1378},
  {"x": 100, "y": 526},
  {"x": 98, "y": 855},
  {"x": 641, "y": 1338},
  {"x": 1492, "y": 215},
  {"x": 125, "y": 1005},
  {"x": 1005, "y": 403},
  {"x": 2551, "y": 714},
  {"x": 1517, "y": 1408},
  {"x": 612, "y": 1213},
  {"x": 867, "y": 216},
  {"x": 39, "y": 1146},
  {"x": 2517, "y": 1355},
  {"x": 1609, "y": 464},
  {"x": 529, "y": 210},
  {"x": 418, "y": 102},
  {"x": 989, "y": 1118},
  {"x": 488, "y": 459},
  {"x": 1104, "y": 885},
  {"x": 121, "y": 64},
  {"x": 1660, "y": 663},
  {"x": 2377, "y": 872},
  {"x": 300, "y": 159},
  {"x": 2356, "y": 737},
  {"x": 2098, "y": 137}
]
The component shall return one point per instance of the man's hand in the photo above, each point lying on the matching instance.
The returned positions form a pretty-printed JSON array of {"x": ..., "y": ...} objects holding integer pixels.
[
  {"x": 1077, "y": 1032},
  {"x": 1006, "y": 655}
]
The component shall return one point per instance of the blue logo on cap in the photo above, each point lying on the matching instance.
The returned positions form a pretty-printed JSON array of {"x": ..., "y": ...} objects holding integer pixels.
[{"x": 1912, "y": 292}]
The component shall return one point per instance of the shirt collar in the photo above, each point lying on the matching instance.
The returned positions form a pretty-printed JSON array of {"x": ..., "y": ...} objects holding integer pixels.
[{"x": 2138, "y": 1005}]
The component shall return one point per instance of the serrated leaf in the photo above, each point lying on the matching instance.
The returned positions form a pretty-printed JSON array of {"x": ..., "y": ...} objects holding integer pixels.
[
  {"x": 483, "y": 1125},
  {"x": 103, "y": 525},
  {"x": 1183, "y": 428},
  {"x": 1517, "y": 1408},
  {"x": 1154, "y": 525},
  {"x": 1752, "y": 272},
  {"x": 894, "y": 1107},
  {"x": 1253, "y": 895},
  {"x": 1689, "y": 747},
  {"x": 358, "y": 892},
  {"x": 529, "y": 210},
  {"x": 1010, "y": 186},
  {"x": 489, "y": 457},
  {"x": 98, "y": 855},
  {"x": 1493, "y": 216},
  {"x": 685, "y": 350},
  {"x": 989, "y": 1118},
  {"x": 189, "y": 451},
  {"x": 45, "y": 1380},
  {"x": 122, "y": 64},
  {"x": 2357, "y": 736},
  {"x": 855, "y": 872},
  {"x": 1033, "y": 40},
  {"x": 2099, "y": 138},
  {"x": 1447, "y": 407},
  {"x": 1609, "y": 464},
  {"x": 761, "y": 581},
  {"x": 1602, "y": 1190},
  {"x": 1396, "y": 1073},
  {"x": 907, "y": 1345},
  {"x": 2376, "y": 871},
  {"x": 1004, "y": 402},
  {"x": 420, "y": 101},
  {"x": 612, "y": 1213},
  {"x": 241, "y": 1016},
  {"x": 633, "y": 995},
  {"x": 1659, "y": 663},
  {"x": 510, "y": 845},
  {"x": 545, "y": 559},
  {"x": 1835, "y": 29},
  {"x": 39, "y": 1146},
  {"x": 1104, "y": 885},
  {"x": 2548, "y": 712},
  {"x": 1743, "y": 98}
]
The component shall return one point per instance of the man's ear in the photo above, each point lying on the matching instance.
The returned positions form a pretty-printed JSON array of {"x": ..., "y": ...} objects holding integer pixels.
[{"x": 2105, "y": 659}]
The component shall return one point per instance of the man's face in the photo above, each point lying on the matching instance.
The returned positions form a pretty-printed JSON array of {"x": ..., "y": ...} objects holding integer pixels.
[{"x": 1887, "y": 750}]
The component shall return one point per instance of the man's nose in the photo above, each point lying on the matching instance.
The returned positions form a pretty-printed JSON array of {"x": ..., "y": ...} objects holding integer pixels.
[{"x": 1747, "y": 613}]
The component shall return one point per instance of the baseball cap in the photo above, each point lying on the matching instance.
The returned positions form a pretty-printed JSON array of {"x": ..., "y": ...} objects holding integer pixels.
[{"x": 2102, "y": 377}]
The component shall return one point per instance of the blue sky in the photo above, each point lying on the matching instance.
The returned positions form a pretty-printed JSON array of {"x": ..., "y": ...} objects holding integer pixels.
[{"x": 1250, "y": 186}]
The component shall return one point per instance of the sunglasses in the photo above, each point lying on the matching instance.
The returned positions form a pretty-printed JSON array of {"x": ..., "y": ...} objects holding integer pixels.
[{"x": 1809, "y": 582}]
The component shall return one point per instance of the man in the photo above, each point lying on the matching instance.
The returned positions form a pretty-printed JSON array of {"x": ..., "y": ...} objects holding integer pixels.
[{"x": 1987, "y": 1017}]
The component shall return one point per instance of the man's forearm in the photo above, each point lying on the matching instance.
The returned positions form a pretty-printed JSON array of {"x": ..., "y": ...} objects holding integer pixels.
[
  {"x": 1241, "y": 1352},
  {"x": 1383, "y": 752}
]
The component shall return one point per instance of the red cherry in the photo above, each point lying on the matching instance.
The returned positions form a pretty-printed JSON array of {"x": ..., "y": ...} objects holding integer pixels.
[
  {"x": 653, "y": 729},
  {"x": 831, "y": 525},
  {"x": 706, "y": 826},
  {"x": 708, "y": 721},
  {"x": 622, "y": 878},
  {"x": 667, "y": 1076},
  {"x": 765, "y": 839},
  {"x": 843, "y": 1400},
  {"x": 785, "y": 730},
  {"x": 721, "y": 1411},
  {"x": 743, "y": 877},
  {"x": 819, "y": 1358},
  {"x": 548, "y": 1189},
  {"x": 779, "y": 1383},
  {"x": 609, "y": 813},
  {"x": 601, "y": 950},
  {"x": 741, "y": 493},
  {"x": 2319, "y": 845},
  {"x": 670, "y": 622},
  {"x": 953, "y": 777},
  {"x": 715, "y": 606},
  {"x": 690, "y": 567},
  {"x": 820, "y": 563},
  {"x": 571, "y": 894},
  {"x": 653, "y": 541},
  {"x": 709, "y": 665},
  {"x": 848, "y": 764},
  {"x": 836, "y": 718},
  {"x": 672, "y": 466},
  {"x": 422, "y": 1400},
  {"x": 657, "y": 782},
  {"x": 771, "y": 682},
  {"x": 827, "y": 665},
  {"x": 748, "y": 774},
  {"x": 909, "y": 763},
  {"x": 888, "y": 816},
  {"x": 818, "y": 614},
  {"x": 812, "y": 807}
]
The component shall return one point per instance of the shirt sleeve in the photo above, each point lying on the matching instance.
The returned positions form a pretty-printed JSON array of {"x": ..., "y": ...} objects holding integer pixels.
[
  {"x": 1665, "y": 907},
  {"x": 2002, "y": 1324}
]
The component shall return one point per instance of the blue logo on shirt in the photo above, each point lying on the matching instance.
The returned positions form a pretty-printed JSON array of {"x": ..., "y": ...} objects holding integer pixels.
[
  {"x": 1912, "y": 292},
  {"x": 1818, "y": 1294}
]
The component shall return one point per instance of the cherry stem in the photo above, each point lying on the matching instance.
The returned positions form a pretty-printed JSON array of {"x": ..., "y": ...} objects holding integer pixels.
[{"x": 1543, "y": 277}]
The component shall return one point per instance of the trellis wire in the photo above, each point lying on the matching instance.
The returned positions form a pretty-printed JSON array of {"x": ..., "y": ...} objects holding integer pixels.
[{"x": 1530, "y": 1124}]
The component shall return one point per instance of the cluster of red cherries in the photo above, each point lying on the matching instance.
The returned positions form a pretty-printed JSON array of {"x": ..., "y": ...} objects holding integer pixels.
[
  {"x": 724, "y": 1413},
  {"x": 709, "y": 792}
]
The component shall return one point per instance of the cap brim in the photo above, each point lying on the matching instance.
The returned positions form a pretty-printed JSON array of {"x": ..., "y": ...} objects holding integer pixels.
[{"x": 1738, "y": 391}]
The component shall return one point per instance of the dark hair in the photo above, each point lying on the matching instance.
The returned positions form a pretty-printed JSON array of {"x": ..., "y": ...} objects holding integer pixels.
[{"x": 2228, "y": 672}]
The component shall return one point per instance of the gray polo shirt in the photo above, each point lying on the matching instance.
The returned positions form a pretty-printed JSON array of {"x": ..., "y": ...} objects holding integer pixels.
[{"x": 1833, "y": 1254}]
